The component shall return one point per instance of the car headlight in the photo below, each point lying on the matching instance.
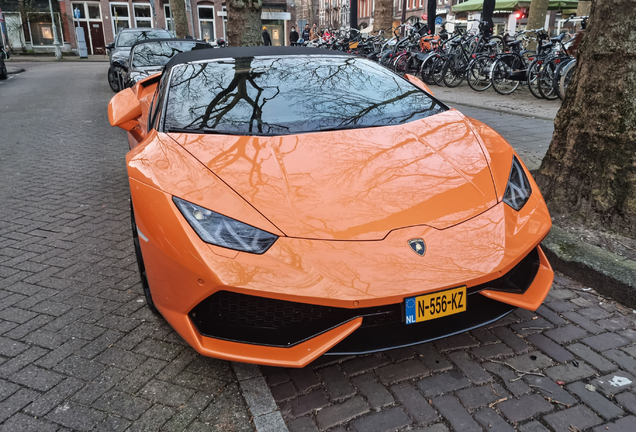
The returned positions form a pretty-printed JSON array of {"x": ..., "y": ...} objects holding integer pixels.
[
  {"x": 518, "y": 190},
  {"x": 223, "y": 231}
]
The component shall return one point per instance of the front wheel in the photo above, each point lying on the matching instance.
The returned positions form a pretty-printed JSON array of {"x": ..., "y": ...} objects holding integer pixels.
[
  {"x": 546, "y": 80},
  {"x": 478, "y": 74},
  {"x": 533, "y": 78},
  {"x": 451, "y": 74},
  {"x": 437, "y": 73},
  {"x": 3, "y": 72},
  {"x": 500, "y": 76},
  {"x": 426, "y": 70},
  {"x": 140, "y": 262},
  {"x": 566, "y": 76},
  {"x": 113, "y": 80},
  {"x": 399, "y": 65}
]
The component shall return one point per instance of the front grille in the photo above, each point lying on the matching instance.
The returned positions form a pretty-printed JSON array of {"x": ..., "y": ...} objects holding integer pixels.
[
  {"x": 272, "y": 322},
  {"x": 266, "y": 321},
  {"x": 232, "y": 308}
]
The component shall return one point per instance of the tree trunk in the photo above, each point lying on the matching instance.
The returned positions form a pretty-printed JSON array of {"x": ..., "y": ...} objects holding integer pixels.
[
  {"x": 244, "y": 25},
  {"x": 583, "y": 9},
  {"x": 536, "y": 16},
  {"x": 383, "y": 17},
  {"x": 180, "y": 18},
  {"x": 589, "y": 172}
]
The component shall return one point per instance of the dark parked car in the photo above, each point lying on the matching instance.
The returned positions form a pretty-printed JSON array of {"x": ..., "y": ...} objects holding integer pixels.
[
  {"x": 149, "y": 57},
  {"x": 3, "y": 67},
  {"x": 120, "y": 50}
]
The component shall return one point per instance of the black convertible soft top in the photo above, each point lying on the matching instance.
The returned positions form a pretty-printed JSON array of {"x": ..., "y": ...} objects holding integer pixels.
[
  {"x": 240, "y": 52},
  {"x": 146, "y": 41}
]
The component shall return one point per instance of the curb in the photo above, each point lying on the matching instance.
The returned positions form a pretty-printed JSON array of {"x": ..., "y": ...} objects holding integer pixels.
[
  {"x": 52, "y": 60},
  {"x": 259, "y": 399},
  {"x": 500, "y": 110},
  {"x": 611, "y": 275}
]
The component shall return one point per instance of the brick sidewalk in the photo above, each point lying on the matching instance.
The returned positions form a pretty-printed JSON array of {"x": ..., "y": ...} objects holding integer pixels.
[
  {"x": 79, "y": 350},
  {"x": 529, "y": 372}
]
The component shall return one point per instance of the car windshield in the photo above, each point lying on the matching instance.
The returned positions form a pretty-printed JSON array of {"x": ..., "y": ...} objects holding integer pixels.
[
  {"x": 290, "y": 95},
  {"x": 159, "y": 53},
  {"x": 128, "y": 39}
]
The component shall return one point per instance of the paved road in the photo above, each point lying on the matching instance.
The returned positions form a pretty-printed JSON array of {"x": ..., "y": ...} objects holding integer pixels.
[
  {"x": 78, "y": 347},
  {"x": 79, "y": 350}
]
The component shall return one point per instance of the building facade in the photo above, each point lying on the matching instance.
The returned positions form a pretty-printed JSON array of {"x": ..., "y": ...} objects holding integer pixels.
[{"x": 102, "y": 19}]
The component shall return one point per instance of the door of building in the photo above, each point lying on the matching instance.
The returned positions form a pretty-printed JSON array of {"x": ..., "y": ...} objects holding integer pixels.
[
  {"x": 89, "y": 17},
  {"x": 278, "y": 35},
  {"x": 97, "y": 38}
]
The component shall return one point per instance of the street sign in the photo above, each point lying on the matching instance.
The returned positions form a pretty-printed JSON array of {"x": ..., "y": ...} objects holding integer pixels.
[
  {"x": 425, "y": 17},
  {"x": 438, "y": 21},
  {"x": 77, "y": 13}
]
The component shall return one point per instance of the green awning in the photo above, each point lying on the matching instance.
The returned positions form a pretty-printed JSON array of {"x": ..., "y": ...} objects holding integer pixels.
[{"x": 508, "y": 5}]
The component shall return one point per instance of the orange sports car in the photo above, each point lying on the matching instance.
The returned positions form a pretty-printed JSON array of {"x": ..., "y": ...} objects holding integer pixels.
[{"x": 294, "y": 202}]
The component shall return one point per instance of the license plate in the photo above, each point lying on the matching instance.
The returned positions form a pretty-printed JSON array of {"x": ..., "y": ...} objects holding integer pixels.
[{"x": 440, "y": 304}]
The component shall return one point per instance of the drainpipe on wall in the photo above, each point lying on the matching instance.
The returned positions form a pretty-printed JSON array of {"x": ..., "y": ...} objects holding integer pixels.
[{"x": 192, "y": 19}]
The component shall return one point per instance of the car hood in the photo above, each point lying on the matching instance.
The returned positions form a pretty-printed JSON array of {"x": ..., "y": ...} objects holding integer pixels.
[{"x": 356, "y": 184}]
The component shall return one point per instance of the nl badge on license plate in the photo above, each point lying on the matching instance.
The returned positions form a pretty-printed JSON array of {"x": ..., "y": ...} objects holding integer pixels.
[{"x": 430, "y": 306}]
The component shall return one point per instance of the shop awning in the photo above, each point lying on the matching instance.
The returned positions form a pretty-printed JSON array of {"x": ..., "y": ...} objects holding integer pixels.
[{"x": 508, "y": 5}]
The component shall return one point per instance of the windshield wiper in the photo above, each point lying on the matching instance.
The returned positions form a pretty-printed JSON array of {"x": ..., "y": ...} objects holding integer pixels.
[{"x": 207, "y": 131}]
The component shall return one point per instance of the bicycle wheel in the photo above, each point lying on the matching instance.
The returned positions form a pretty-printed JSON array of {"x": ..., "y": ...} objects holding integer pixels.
[
  {"x": 399, "y": 65},
  {"x": 566, "y": 76},
  {"x": 500, "y": 76},
  {"x": 451, "y": 76},
  {"x": 438, "y": 66},
  {"x": 413, "y": 65},
  {"x": 558, "y": 73},
  {"x": 478, "y": 73},
  {"x": 426, "y": 70},
  {"x": 533, "y": 78},
  {"x": 546, "y": 76},
  {"x": 500, "y": 47}
]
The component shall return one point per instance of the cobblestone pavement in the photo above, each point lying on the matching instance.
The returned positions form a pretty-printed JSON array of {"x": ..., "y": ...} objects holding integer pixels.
[
  {"x": 80, "y": 351},
  {"x": 520, "y": 102},
  {"x": 78, "y": 348},
  {"x": 568, "y": 367}
]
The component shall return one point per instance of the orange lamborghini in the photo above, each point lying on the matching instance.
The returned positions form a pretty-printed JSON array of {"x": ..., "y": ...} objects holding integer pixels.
[{"x": 294, "y": 202}]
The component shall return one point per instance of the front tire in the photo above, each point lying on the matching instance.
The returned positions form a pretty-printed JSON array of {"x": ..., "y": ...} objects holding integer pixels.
[
  {"x": 500, "y": 77},
  {"x": 140, "y": 263},
  {"x": 478, "y": 74},
  {"x": 113, "y": 80},
  {"x": 3, "y": 72}
]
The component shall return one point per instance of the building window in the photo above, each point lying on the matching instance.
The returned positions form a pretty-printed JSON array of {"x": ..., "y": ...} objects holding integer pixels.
[
  {"x": 120, "y": 16},
  {"x": 224, "y": 9},
  {"x": 206, "y": 22},
  {"x": 78, "y": 9},
  {"x": 168, "y": 14},
  {"x": 143, "y": 15}
]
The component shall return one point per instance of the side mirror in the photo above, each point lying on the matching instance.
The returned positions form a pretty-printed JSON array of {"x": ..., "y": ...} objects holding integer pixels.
[
  {"x": 124, "y": 110},
  {"x": 110, "y": 46},
  {"x": 418, "y": 82}
]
